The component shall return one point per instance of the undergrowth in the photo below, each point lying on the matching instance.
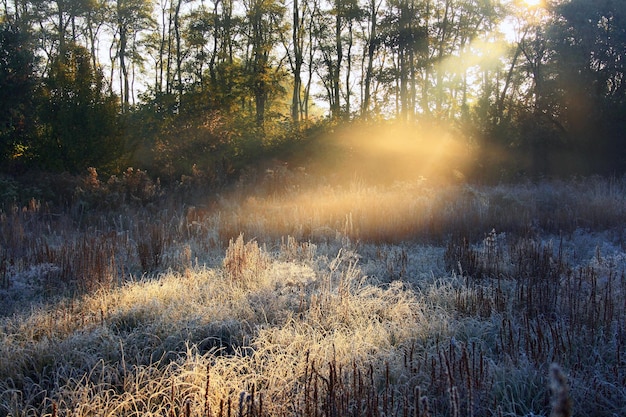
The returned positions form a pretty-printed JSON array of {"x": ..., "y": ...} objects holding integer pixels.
[{"x": 316, "y": 300}]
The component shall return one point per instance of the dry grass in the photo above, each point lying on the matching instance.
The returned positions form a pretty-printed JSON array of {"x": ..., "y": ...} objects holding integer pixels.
[{"x": 321, "y": 301}]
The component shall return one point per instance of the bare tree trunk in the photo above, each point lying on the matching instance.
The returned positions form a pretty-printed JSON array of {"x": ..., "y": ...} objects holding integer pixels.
[
  {"x": 336, "y": 71},
  {"x": 348, "y": 69},
  {"x": 371, "y": 49},
  {"x": 61, "y": 28},
  {"x": 124, "y": 69},
  {"x": 179, "y": 53},
  {"x": 162, "y": 48},
  {"x": 307, "y": 90},
  {"x": 297, "y": 37},
  {"x": 216, "y": 36}
]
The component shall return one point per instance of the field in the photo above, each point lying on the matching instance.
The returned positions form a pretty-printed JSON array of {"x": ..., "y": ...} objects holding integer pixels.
[{"x": 291, "y": 296}]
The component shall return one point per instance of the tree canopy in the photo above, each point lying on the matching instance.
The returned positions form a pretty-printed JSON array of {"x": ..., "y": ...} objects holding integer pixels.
[{"x": 174, "y": 86}]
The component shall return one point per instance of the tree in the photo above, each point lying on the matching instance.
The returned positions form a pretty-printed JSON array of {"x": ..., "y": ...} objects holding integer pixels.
[
  {"x": 297, "y": 60},
  {"x": 131, "y": 17},
  {"x": 298, "y": 48},
  {"x": 78, "y": 118},
  {"x": 334, "y": 46},
  {"x": 264, "y": 18},
  {"x": 198, "y": 35},
  {"x": 589, "y": 41},
  {"x": 406, "y": 37},
  {"x": 179, "y": 54},
  {"x": 96, "y": 16},
  {"x": 17, "y": 87},
  {"x": 453, "y": 26},
  {"x": 372, "y": 43}
]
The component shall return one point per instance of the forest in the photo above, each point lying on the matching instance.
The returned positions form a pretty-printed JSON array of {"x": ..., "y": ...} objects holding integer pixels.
[{"x": 181, "y": 88}]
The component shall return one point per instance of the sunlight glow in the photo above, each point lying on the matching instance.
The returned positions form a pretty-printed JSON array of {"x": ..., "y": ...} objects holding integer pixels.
[
  {"x": 396, "y": 152},
  {"x": 524, "y": 12},
  {"x": 371, "y": 184},
  {"x": 532, "y": 3}
]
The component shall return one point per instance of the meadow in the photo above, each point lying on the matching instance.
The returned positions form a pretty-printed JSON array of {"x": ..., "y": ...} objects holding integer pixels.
[{"x": 288, "y": 294}]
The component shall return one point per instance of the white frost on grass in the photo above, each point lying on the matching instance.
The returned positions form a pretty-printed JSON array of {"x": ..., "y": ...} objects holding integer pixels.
[{"x": 27, "y": 287}]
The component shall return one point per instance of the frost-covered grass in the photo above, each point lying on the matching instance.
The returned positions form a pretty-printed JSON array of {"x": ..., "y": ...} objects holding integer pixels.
[{"x": 298, "y": 299}]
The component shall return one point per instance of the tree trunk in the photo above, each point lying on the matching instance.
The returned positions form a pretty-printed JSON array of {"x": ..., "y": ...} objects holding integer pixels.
[
  {"x": 179, "y": 52},
  {"x": 124, "y": 69},
  {"x": 336, "y": 70},
  {"x": 298, "y": 59},
  {"x": 371, "y": 48},
  {"x": 348, "y": 69}
]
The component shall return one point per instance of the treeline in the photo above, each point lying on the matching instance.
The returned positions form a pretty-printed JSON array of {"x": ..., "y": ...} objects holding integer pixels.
[{"x": 206, "y": 87}]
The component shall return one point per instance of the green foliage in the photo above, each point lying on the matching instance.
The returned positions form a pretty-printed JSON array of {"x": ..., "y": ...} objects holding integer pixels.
[
  {"x": 206, "y": 147},
  {"x": 208, "y": 143},
  {"x": 79, "y": 120},
  {"x": 17, "y": 85},
  {"x": 9, "y": 190}
]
